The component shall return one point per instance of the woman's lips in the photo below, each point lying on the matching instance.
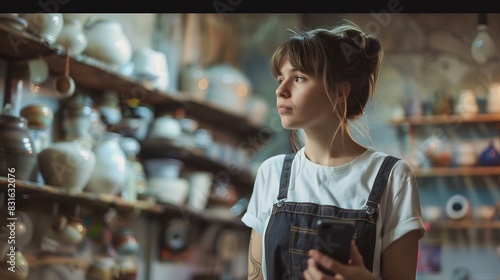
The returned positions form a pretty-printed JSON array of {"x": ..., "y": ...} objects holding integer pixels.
[{"x": 282, "y": 109}]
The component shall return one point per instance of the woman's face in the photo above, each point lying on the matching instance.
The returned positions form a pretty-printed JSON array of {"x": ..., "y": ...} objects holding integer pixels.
[{"x": 302, "y": 102}]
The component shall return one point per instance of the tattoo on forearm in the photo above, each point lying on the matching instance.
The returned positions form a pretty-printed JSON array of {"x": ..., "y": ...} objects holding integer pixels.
[{"x": 256, "y": 266}]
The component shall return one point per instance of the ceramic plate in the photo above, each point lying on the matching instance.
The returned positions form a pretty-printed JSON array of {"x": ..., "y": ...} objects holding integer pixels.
[{"x": 13, "y": 22}]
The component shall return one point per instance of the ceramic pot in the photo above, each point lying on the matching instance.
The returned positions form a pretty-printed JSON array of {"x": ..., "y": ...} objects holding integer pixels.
[
  {"x": 68, "y": 231},
  {"x": 135, "y": 121},
  {"x": 17, "y": 149},
  {"x": 493, "y": 99},
  {"x": 67, "y": 164},
  {"x": 109, "y": 108},
  {"x": 19, "y": 264},
  {"x": 46, "y": 25},
  {"x": 107, "y": 42},
  {"x": 72, "y": 35},
  {"x": 194, "y": 82},
  {"x": 39, "y": 119},
  {"x": 228, "y": 88},
  {"x": 125, "y": 242},
  {"x": 109, "y": 175},
  {"x": 490, "y": 156}
]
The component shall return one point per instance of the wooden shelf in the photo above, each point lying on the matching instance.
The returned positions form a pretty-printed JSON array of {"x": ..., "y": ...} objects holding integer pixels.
[
  {"x": 97, "y": 77},
  {"x": 446, "y": 119},
  {"x": 456, "y": 171},
  {"x": 46, "y": 193},
  {"x": 454, "y": 225},
  {"x": 158, "y": 148},
  {"x": 40, "y": 191}
]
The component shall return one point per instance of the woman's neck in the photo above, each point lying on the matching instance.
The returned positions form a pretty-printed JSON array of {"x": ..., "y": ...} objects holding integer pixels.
[{"x": 321, "y": 149}]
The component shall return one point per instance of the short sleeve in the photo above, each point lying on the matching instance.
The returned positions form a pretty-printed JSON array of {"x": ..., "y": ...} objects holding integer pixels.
[
  {"x": 254, "y": 217},
  {"x": 402, "y": 208}
]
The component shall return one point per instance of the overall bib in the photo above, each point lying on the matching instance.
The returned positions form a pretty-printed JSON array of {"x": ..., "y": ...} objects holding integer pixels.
[{"x": 291, "y": 230}]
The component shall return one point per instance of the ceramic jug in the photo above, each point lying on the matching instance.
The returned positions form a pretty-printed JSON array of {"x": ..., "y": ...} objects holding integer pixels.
[
  {"x": 109, "y": 174},
  {"x": 18, "y": 156},
  {"x": 107, "y": 42},
  {"x": 72, "y": 35}
]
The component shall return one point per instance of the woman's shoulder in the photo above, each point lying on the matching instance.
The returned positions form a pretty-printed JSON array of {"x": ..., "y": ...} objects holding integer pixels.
[
  {"x": 400, "y": 166},
  {"x": 273, "y": 162}
]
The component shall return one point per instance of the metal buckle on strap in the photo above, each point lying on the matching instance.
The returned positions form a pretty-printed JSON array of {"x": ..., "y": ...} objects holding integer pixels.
[
  {"x": 370, "y": 210},
  {"x": 281, "y": 202}
]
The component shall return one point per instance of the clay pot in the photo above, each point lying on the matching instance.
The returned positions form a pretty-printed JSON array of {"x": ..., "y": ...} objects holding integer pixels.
[{"x": 18, "y": 155}]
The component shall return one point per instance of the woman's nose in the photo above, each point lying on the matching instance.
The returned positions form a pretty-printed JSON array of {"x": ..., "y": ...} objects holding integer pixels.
[{"x": 282, "y": 91}]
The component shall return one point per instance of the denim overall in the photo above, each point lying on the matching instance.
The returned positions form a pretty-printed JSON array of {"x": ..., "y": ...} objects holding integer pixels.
[{"x": 291, "y": 229}]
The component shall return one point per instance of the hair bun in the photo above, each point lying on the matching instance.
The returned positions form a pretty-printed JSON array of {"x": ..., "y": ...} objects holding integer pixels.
[{"x": 373, "y": 46}]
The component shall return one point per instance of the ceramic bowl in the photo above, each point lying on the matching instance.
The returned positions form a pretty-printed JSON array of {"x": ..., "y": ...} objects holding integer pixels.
[
  {"x": 484, "y": 212},
  {"x": 167, "y": 168},
  {"x": 431, "y": 213}
]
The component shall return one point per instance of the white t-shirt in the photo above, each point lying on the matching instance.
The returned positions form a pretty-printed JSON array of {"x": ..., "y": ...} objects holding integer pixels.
[{"x": 347, "y": 186}]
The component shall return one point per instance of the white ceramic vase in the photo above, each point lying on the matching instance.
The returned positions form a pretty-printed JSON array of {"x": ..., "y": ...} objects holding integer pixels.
[
  {"x": 109, "y": 175},
  {"x": 107, "y": 42},
  {"x": 67, "y": 164},
  {"x": 72, "y": 36},
  {"x": 46, "y": 25}
]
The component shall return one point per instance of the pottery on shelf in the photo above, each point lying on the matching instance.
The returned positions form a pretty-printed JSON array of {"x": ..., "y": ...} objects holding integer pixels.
[
  {"x": 72, "y": 35},
  {"x": 18, "y": 156},
  {"x": 69, "y": 163},
  {"x": 47, "y": 26},
  {"x": 490, "y": 156},
  {"x": 39, "y": 118},
  {"x": 107, "y": 42},
  {"x": 109, "y": 175},
  {"x": 21, "y": 267}
]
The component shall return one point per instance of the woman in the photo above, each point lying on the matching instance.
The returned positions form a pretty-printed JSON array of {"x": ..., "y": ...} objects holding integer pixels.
[{"x": 326, "y": 77}]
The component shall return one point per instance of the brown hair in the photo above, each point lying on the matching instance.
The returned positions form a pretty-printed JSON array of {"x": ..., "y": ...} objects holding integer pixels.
[{"x": 343, "y": 53}]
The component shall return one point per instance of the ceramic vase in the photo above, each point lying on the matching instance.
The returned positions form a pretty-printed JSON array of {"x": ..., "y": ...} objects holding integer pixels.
[
  {"x": 72, "y": 35},
  {"x": 490, "y": 156},
  {"x": 45, "y": 25},
  {"x": 109, "y": 175},
  {"x": 107, "y": 42},
  {"x": 19, "y": 264},
  {"x": 18, "y": 156},
  {"x": 69, "y": 163}
]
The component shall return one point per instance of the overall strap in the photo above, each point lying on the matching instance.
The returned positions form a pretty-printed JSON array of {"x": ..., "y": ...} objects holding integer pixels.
[
  {"x": 380, "y": 183},
  {"x": 285, "y": 176}
]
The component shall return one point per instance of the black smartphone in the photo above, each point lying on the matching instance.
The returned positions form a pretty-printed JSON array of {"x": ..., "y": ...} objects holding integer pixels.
[{"x": 334, "y": 240}]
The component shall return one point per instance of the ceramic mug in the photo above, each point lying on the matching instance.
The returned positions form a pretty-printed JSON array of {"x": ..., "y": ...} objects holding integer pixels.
[
  {"x": 125, "y": 242},
  {"x": 68, "y": 231},
  {"x": 39, "y": 70}
]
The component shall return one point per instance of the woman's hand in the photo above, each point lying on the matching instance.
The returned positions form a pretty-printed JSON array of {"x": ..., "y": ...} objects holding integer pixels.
[{"x": 354, "y": 270}]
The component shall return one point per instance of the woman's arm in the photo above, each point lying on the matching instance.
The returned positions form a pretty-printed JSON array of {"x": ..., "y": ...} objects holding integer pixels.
[
  {"x": 399, "y": 260},
  {"x": 255, "y": 257}
]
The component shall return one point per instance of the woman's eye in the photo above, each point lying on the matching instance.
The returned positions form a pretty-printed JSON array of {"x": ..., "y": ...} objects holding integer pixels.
[
  {"x": 280, "y": 81},
  {"x": 299, "y": 79}
]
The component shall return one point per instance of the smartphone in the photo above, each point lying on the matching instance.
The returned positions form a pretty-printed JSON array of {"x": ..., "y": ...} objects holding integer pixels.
[{"x": 334, "y": 240}]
